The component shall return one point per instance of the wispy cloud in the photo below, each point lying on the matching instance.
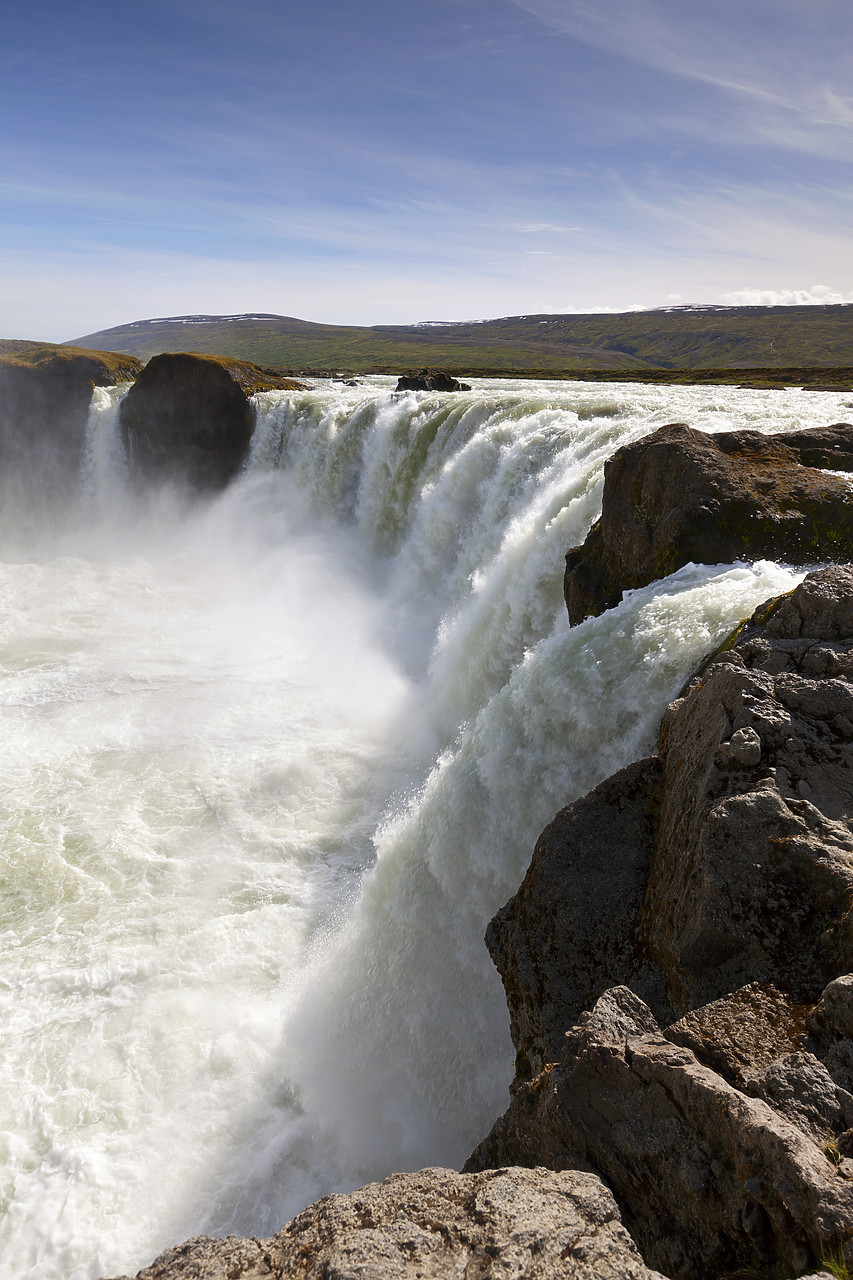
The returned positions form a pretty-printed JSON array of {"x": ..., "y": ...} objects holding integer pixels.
[
  {"x": 785, "y": 65},
  {"x": 657, "y": 148},
  {"x": 534, "y": 228}
]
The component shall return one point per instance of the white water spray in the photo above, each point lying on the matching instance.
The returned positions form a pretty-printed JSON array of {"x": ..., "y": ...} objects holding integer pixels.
[{"x": 272, "y": 762}]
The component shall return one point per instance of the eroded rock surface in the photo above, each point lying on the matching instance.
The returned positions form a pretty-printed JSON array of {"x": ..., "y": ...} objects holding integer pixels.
[
  {"x": 188, "y": 418},
  {"x": 752, "y": 873},
  {"x": 708, "y": 1178},
  {"x": 742, "y": 1033},
  {"x": 434, "y": 1225},
  {"x": 682, "y": 495}
]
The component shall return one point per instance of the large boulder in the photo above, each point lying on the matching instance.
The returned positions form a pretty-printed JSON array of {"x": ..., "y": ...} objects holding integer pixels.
[
  {"x": 430, "y": 380},
  {"x": 433, "y": 1225},
  {"x": 188, "y": 418},
  {"x": 681, "y": 495},
  {"x": 709, "y": 1179}
]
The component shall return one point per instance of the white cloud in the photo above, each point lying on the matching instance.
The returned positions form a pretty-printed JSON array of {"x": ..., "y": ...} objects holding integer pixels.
[{"x": 817, "y": 295}]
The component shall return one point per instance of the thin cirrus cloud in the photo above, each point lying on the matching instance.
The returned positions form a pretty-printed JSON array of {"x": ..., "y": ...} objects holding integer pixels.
[{"x": 783, "y": 65}]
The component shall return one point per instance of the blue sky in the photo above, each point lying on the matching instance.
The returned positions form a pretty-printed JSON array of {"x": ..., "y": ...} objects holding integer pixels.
[{"x": 426, "y": 159}]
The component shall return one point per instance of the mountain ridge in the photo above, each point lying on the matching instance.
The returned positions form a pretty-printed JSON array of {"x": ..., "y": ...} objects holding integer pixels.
[{"x": 711, "y": 337}]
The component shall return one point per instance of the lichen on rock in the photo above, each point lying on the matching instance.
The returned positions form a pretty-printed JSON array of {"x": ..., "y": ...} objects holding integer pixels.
[{"x": 433, "y": 1225}]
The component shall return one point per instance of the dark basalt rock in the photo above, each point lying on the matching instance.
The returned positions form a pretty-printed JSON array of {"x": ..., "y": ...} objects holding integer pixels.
[
  {"x": 569, "y": 932},
  {"x": 188, "y": 418},
  {"x": 45, "y": 393},
  {"x": 728, "y": 1137},
  {"x": 681, "y": 495},
  {"x": 430, "y": 380}
]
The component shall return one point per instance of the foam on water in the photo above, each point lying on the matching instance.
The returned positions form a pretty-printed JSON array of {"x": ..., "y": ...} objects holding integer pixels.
[{"x": 272, "y": 761}]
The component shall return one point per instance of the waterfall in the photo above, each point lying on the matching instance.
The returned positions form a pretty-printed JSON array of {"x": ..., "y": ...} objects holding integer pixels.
[
  {"x": 104, "y": 459},
  {"x": 274, "y": 760}
]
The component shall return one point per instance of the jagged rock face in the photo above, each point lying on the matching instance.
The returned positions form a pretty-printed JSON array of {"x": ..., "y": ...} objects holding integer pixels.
[
  {"x": 708, "y": 1178},
  {"x": 433, "y": 1225},
  {"x": 831, "y": 1027},
  {"x": 681, "y": 495},
  {"x": 188, "y": 418},
  {"x": 430, "y": 380},
  {"x": 726, "y": 861},
  {"x": 568, "y": 933},
  {"x": 752, "y": 873}
]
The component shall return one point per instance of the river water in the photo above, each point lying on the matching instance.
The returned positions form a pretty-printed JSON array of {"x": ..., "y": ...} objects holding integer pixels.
[{"x": 271, "y": 761}]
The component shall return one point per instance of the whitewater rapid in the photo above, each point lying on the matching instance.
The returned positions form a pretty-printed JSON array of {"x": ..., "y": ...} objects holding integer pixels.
[{"x": 271, "y": 762}]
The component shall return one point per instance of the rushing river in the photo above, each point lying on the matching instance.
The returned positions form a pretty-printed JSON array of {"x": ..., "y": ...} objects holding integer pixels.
[{"x": 270, "y": 762}]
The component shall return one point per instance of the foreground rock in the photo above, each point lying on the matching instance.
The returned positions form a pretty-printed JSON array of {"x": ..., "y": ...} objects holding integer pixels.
[
  {"x": 708, "y": 1179},
  {"x": 519, "y": 1223},
  {"x": 430, "y": 380},
  {"x": 45, "y": 393},
  {"x": 188, "y": 418},
  {"x": 681, "y": 495}
]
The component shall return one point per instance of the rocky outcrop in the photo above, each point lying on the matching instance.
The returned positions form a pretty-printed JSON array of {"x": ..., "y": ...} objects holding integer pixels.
[
  {"x": 718, "y": 877},
  {"x": 569, "y": 932},
  {"x": 681, "y": 495},
  {"x": 724, "y": 861},
  {"x": 188, "y": 418},
  {"x": 751, "y": 877},
  {"x": 45, "y": 392},
  {"x": 430, "y": 380},
  {"x": 709, "y": 1179},
  {"x": 433, "y": 1225}
]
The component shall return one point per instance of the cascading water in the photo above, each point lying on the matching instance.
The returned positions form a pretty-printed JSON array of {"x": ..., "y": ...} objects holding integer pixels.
[{"x": 272, "y": 761}]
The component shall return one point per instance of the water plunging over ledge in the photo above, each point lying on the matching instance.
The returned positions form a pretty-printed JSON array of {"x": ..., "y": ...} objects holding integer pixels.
[{"x": 273, "y": 760}]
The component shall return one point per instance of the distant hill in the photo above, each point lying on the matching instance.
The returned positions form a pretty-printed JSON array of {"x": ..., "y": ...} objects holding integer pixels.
[{"x": 669, "y": 338}]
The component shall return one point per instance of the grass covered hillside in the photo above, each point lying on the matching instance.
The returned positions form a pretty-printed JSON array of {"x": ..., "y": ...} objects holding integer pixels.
[
  {"x": 301, "y": 346},
  {"x": 675, "y": 338}
]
